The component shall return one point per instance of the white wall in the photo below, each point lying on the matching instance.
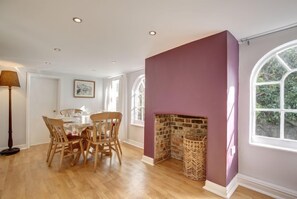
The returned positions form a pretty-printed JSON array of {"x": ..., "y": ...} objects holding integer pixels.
[
  {"x": 135, "y": 134},
  {"x": 68, "y": 101},
  {"x": 19, "y": 104},
  {"x": 269, "y": 165}
]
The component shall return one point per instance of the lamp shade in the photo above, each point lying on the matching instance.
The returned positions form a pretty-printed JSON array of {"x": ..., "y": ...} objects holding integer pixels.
[{"x": 9, "y": 78}]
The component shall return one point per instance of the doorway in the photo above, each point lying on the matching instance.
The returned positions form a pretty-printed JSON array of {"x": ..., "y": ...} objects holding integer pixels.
[{"x": 42, "y": 99}]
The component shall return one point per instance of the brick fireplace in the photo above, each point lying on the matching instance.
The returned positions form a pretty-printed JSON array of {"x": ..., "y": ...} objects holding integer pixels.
[{"x": 170, "y": 129}]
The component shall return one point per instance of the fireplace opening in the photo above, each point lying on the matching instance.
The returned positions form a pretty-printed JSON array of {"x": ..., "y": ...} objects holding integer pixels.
[{"x": 170, "y": 130}]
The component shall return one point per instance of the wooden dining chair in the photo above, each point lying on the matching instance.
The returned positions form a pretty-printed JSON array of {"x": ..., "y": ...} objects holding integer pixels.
[
  {"x": 70, "y": 112},
  {"x": 66, "y": 146},
  {"x": 50, "y": 129},
  {"x": 104, "y": 135}
]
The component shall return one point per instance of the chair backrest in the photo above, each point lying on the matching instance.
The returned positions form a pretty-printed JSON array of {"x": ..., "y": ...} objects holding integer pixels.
[
  {"x": 106, "y": 125},
  {"x": 58, "y": 130},
  {"x": 70, "y": 112},
  {"x": 50, "y": 128}
]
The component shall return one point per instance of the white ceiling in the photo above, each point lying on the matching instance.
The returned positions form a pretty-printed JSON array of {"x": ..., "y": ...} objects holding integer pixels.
[{"x": 113, "y": 37}]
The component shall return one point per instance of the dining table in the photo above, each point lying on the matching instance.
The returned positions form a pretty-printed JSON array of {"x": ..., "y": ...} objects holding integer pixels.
[{"x": 77, "y": 125}]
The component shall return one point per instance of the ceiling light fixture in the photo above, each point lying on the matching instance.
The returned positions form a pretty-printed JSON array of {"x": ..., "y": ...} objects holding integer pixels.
[
  {"x": 57, "y": 49},
  {"x": 77, "y": 20},
  {"x": 152, "y": 33}
]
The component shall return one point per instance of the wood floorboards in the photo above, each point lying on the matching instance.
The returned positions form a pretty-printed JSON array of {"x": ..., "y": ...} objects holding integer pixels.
[{"x": 26, "y": 176}]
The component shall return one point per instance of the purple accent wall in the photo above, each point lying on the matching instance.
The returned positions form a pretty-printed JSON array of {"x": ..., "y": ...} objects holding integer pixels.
[
  {"x": 193, "y": 80},
  {"x": 232, "y": 106}
]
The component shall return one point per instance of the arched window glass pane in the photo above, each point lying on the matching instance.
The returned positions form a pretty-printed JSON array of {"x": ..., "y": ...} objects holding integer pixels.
[
  {"x": 268, "y": 96},
  {"x": 291, "y": 91},
  {"x": 139, "y": 114},
  {"x": 291, "y": 126},
  {"x": 290, "y": 57},
  {"x": 139, "y": 101},
  {"x": 268, "y": 124},
  {"x": 141, "y": 88},
  {"x": 138, "y": 96},
  {"x": 271, "y": 71}
]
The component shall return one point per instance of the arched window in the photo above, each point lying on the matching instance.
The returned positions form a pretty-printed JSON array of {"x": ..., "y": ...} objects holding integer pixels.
[
  {"x": 137, "y": 102},
  {"x": 274, "y": 99}
]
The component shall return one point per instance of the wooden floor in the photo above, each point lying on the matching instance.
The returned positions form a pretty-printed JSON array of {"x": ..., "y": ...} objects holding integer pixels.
[{"x": 26, "y": 175}]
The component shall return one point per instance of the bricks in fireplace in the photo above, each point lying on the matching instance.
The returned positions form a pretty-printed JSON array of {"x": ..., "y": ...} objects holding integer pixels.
[{"x": 170, "y": 130}]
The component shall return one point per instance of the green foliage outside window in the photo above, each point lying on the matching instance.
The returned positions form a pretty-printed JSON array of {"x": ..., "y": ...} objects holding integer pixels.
[
  {"x": 268, "y": 123},
  {"x": 291, "y": 91},
  {"x": 271, "y": 71},
  {"x": 291, "y": 126},
  {"x": 267, "y": 96}
]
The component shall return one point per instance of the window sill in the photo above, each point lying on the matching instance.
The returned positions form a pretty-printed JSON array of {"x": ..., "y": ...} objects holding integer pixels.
[
  {"x": 138, "y": 125},
  {"x": 273, "y": 147}
]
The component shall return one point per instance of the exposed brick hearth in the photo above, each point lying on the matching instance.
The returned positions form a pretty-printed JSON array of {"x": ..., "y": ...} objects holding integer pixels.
[{"x": 170, "y": 130}]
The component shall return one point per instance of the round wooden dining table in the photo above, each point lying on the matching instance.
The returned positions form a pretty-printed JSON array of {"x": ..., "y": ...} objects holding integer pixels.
[{"x": 77, "y": 126}]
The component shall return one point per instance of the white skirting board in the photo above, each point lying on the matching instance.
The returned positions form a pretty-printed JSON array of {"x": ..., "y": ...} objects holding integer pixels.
[
  {"x": 22, "y": 146},
  {"x": 266, "y": 188},
  {"x": 148, "y": 160},
  {"x": 134, "y": 143},
  {"x": 225, "y": 192}
]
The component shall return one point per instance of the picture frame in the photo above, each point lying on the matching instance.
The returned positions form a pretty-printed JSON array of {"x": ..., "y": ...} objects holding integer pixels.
[{"x": 84, "y": 88}]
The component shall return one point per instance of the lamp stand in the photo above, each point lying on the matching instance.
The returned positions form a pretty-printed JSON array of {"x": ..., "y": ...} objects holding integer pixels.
[{"x": 11, "y": 150}]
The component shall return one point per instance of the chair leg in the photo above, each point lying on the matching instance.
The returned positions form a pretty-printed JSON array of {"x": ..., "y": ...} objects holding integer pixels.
[
  {"x": 102, "y": 150},
  {"x": 52, "y": 155},
  {"x": 109, "y": 152},
  {"x": 62, "y": 156},
  {"x": 119, "y": 144},
  {"x": 79, "y": 152},
  {"x": 96, "y": 157},
  {"x": 50, "y": 146},
  {"x": 117, "y": 151},
  {"x": 75, "y": 158},
  {"x": 87, "y": 152},
  {"x": 82, "y": 150}
]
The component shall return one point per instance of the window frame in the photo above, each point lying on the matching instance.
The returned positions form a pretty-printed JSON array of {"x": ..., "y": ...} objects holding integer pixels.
[
  {"x": 139, "y": 80},
  {"x": 263, "y": 141},
  {"x": 112, "y": 101}
]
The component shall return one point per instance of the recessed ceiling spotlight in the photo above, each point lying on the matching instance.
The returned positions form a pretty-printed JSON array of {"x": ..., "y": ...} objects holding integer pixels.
[
  {"x": 152, "y": 33},
  {"x": 57, "y": 49},
  {"x": 77, "y": 20}
]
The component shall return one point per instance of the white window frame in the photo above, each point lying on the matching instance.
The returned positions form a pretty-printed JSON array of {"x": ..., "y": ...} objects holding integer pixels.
[
  {"x": 263, "y": 141},
  {"x": 135, "y": 94},
  {"x": 112, "y": 95}
]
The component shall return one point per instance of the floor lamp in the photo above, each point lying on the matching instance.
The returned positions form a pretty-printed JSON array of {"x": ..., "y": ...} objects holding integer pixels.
[{"x": 9, "y": 78}]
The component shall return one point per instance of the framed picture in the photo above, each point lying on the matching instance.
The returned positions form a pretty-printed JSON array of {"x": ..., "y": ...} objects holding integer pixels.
[{"x": 84, "y": 88}]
